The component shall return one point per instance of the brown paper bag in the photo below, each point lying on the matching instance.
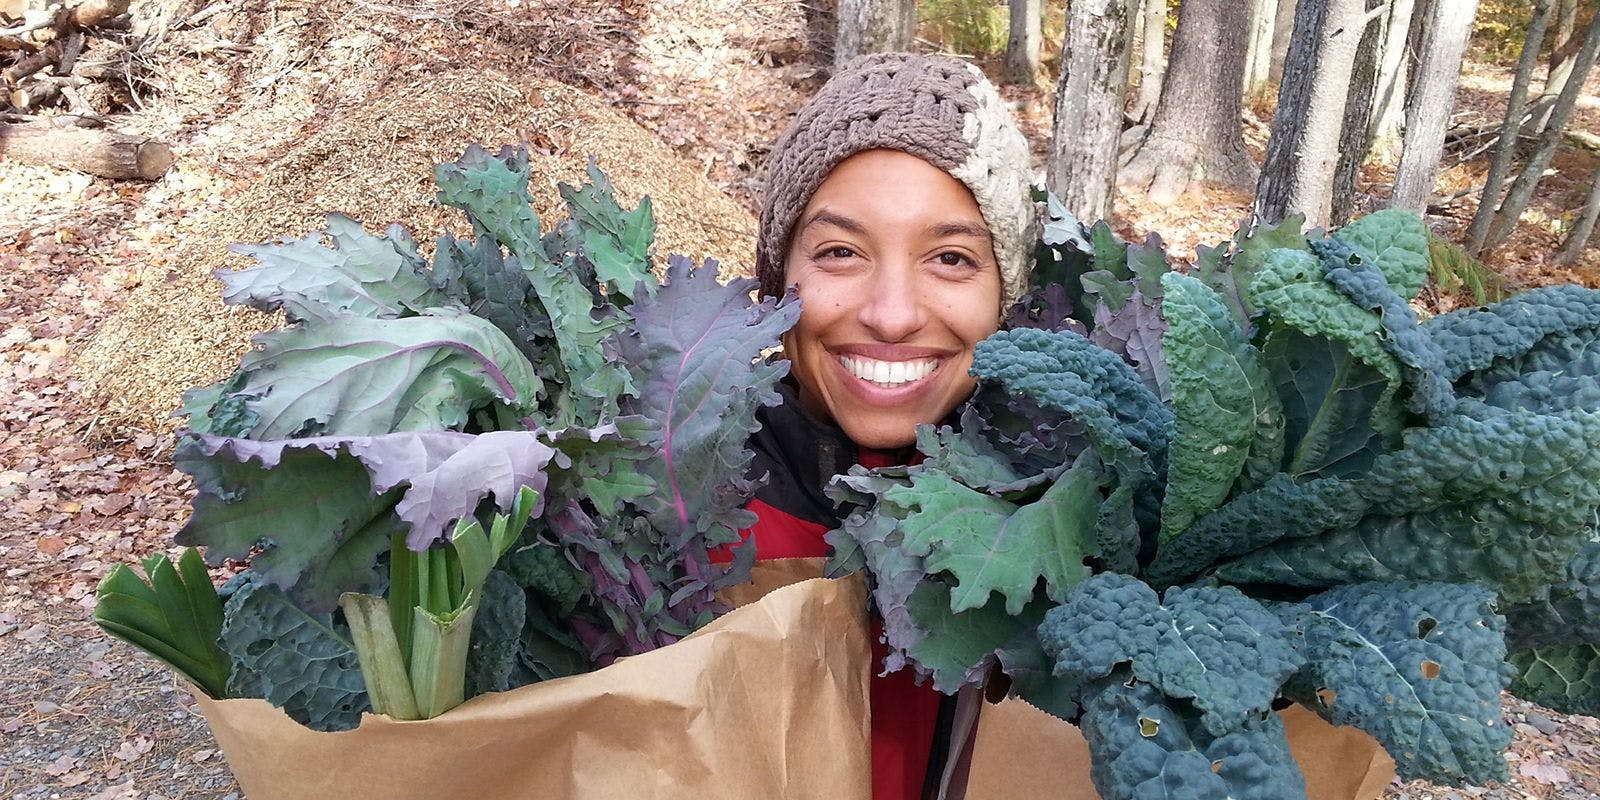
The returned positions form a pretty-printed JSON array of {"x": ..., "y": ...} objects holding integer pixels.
[
  {"x": 768, "y": 701},
  {"x": 1024, "y": 754}
]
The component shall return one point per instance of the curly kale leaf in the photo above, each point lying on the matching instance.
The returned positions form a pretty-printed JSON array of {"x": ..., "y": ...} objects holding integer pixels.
[
  {"x": 697, "y": 345},
  {"x": 989, "y": 545},
  {"x": 1230, "y": 267},
  {"x": 364, "y": 377},
  {"x": 1420, "y": 666},
  {"x": 359, "y": 275},
  {"x": 493, "y": 191},
  {"x": 1474, "y": 339},
  {"x": 1290, "y": 286},
  {"x": 1229, "y": 419},
  {"x": 1554, "y": 640},
  {"x": 615, "y": 242},
  {"x": 1563, "y": 677},
  {"x": 493, "y": 287},
  {"x": 1222, "y": 651},
  {"x": 870, "y": 537},
  {"x": 1064, "y": 372},
  {"x": 1145, "y": 745},
  {"x": 299, "y": 662},
  {"x": 1436, "y": 509},
  {"x": 1364, "y": 284},
  {"x": 544, "y": 569}
]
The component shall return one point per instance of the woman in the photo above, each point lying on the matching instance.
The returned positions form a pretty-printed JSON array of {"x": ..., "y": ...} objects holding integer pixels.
[{"x": 898, "y": 203}]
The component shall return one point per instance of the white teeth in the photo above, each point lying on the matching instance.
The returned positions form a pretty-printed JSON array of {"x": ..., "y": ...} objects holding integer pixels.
[{"x": 889, "y": 373}]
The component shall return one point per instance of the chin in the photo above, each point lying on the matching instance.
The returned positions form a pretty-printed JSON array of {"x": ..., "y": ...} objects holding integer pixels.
[{"x": 883, "y": 435}]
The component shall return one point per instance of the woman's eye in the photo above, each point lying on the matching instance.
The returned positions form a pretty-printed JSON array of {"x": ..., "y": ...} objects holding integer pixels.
[
  {"x": 956, "y": 260},
  {"x": 836, "y": 252}
]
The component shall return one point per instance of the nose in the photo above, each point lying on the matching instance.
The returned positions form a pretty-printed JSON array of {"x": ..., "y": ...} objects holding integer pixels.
[{"x": 894, "y": 311}]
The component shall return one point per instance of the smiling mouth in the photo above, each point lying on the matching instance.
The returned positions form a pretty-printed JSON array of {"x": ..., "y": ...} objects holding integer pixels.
[{"x": 889, "y": 374}]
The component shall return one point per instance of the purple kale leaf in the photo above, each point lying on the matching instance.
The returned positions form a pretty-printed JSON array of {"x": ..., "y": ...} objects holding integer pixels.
[{"x": 695, "y": 349}]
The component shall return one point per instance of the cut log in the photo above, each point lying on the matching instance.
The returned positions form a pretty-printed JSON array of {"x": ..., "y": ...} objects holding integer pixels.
[
  {"x": 93, "y": 13},
  {"x": 34, "y": 95},
  {"x": 28, "y": 65},
  {"x": 107, "y": 154}
]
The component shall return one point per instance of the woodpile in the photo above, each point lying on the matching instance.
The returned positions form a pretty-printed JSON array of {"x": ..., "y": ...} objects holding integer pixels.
[{"x": 63, "y": 68}]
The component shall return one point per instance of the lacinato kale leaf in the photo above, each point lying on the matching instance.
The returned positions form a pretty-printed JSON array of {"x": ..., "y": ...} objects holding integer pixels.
[
  {"x": 1565, "y": 677},
  {"x": 1147, "y": 745},
  {"x": 1420, "y": 666},
  {"x": 1211, "y": 646},
  {"x": 303, "y": 663},
  {"x": 1229, "y": 419}
]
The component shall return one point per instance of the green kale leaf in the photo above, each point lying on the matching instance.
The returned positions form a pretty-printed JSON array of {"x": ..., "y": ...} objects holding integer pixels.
[
  {"x": 1229, "y": 419},
  {"x": 1212, "y": 646},
  {"x": 1420, "y": 666}
]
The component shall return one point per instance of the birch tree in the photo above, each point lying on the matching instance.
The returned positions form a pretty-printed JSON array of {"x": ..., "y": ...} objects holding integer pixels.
[
  {"x": 1432, "y": 96},
  {"x": 874, "y": 26},
  {"x": 1282, "y": 32},
  {"x": 1088, "y": 112},
  {"x": 1354, "y": 132}
]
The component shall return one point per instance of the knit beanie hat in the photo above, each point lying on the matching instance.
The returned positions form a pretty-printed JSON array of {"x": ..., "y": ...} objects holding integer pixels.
[{"x": 939, "y": 109}]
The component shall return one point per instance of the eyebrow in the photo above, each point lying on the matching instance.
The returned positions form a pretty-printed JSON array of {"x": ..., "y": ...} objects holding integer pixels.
[{"x": 938, "y": 229}]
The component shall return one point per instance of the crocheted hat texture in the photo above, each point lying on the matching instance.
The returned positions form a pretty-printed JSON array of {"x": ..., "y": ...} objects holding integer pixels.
[{"x": 939, "y": 109}]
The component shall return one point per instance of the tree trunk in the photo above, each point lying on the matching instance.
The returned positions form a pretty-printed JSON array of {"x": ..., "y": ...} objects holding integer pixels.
[
  {"x": 1152, "y": 61},
  {"x": 1562, "y": 59},
  {"x": 1258, "y": 55},
  {"x": 1353, "y": 131},
  {"x": 1389, "y": 101},
  {"x": 1432, "y": 98},
  {"x": 1303, "y": 153},
  {"x": 874, "y": 26},
  {"x": 1505, "y": 147},
  {"x": 1089, "y": 101},
  {"x": 1566, "y": 25},
  {"x": 1580, "y": 233},
  {"x": 1418, "y": 33},
  {"x": 97, "y": 152},
  {"x": 1282, "y": 32},
  {"x": 1505, "y": 218},
  {"x": 1197, "y": 133},
  {"x": 1022, "y": 49}
]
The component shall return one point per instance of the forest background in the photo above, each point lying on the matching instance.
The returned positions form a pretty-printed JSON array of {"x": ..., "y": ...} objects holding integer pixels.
[{"x": 1179, "y": 119}]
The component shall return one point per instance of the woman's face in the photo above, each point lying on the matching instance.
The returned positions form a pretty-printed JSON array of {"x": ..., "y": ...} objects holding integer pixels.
[{"x": 898, "y": 284}]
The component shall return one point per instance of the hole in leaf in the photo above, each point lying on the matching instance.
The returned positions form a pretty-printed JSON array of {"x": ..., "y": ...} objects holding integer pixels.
[
  {"x": 1148, "y": 727},
  {"x": 1216, "y": 766},
  {"x": 1326, "y": 696},
  {"x": 1425, "y": 626},
  {"x": 1430, "y": 669}
]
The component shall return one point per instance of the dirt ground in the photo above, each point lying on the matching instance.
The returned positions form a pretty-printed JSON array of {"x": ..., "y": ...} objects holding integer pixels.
[{"x": 260, "y": 87}]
